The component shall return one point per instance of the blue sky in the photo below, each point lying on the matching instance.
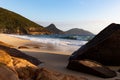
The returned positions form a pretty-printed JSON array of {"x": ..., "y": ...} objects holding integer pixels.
[{"x": 92, "y": 15}]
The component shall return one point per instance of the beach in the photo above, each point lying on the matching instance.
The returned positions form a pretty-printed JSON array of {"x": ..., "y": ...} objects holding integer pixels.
[{"x": 53, "y": 57}]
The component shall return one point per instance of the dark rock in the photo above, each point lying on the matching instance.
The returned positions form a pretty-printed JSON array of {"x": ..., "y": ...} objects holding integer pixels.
[
  {"x": 52, "y": 28},
  {"x": 16, "y": 53},
  {"x": 103, "y": 48},
  {"x": 119, "y": 70},
  {"x": 91, "y": 67}
]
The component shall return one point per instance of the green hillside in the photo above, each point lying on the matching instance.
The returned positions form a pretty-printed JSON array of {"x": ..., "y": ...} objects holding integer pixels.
[{"x": 11, "y": 22}]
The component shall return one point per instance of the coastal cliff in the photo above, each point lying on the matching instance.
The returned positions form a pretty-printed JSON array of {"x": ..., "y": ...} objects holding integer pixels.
[{"x": 13, "y": 23}]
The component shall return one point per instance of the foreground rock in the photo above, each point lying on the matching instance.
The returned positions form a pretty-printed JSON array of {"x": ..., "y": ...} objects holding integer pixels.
[
  {"x": 104, "y": 47},
  {"x": 25, "y": 69},
  {"x": 28, "y": 71},
  {"x": 6, "y": 59},
  {"x": 14, "y": 68},
  {"x": 7, "y": 74},
  {"x": 91, "y": 67},
  {"x": 16, "y": 53},
  {"x": 45, "y": 74}
]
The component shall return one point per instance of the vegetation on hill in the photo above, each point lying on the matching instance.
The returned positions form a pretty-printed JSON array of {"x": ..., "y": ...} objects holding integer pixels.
[
  {"x": 11, "y": 22},
  {"x": 77, "y": 31}
]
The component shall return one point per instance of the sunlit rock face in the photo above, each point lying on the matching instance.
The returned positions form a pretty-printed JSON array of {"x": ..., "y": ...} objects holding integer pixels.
[{"x": 16, "y": 53}]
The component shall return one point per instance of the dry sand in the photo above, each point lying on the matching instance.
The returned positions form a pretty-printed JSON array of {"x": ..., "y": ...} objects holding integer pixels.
[{"x": 52, "y": 58}]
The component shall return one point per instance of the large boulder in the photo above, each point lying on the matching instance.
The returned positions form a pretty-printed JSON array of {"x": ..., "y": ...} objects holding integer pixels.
[
  {"x": 6, "y": 73},
  {"x": 28, "y": 71},
  {"x": 21, "y": 67},
  {"x": 91, "y": 67},
  {"x": 25, "y": 69},
  {"x": 6, "y": 59},
  {"x": 104, "y": 47}
]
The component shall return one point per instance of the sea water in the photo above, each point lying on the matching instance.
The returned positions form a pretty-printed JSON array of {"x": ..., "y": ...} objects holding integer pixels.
[{"x": 64, "y": 42}]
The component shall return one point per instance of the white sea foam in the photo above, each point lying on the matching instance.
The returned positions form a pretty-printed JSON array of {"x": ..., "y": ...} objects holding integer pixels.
[{"x": 55, "y": 41}]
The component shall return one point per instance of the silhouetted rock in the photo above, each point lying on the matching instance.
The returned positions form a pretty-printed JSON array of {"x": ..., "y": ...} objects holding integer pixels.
[
  {"x": 76, "y": 31},
  {"x": 91, "y": 67},
  {"x": 104, "y": 47},
  {"x": 52, "y": 28}
]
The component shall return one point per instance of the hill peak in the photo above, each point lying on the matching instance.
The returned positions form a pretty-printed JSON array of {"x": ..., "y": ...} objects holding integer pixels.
[
  {"x": 52, "y": 28},
  {"x": 77, "y": 31}
]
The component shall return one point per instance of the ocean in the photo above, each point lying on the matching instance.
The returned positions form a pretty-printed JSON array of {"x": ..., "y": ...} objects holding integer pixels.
[{"x": 65, "y": 42}]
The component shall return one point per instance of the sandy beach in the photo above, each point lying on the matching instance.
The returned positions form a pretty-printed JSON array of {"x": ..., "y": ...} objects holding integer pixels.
[{"x": 53, "y": 58}]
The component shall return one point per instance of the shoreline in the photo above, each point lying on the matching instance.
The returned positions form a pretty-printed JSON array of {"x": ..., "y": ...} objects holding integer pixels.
[{"x": 53, "y": 60}]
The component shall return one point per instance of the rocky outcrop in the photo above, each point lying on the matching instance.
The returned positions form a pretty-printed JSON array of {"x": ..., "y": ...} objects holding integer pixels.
[
  {"x": 46, "y": 74},
  {"x": 91, "y": 67},
  {"x": 28, "y": 71},
  {"x": 14, "y": 68},
  {"x": 103, "y": 48},
  {"x": 16, "y": 53},
  {"x": 24, "y": 69},
  {"x": 6, "y": 59},
  {"x": 6, "y": 73},
  {"x": 17, "y": 68},
  {"x": 20, "y": 67}
]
